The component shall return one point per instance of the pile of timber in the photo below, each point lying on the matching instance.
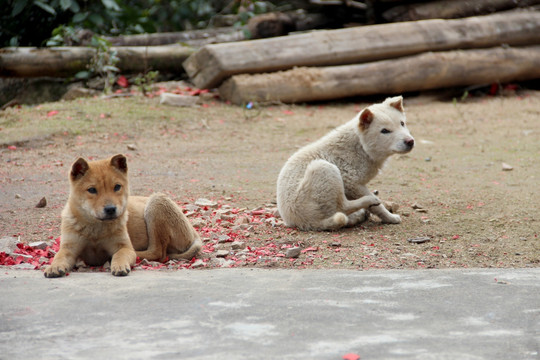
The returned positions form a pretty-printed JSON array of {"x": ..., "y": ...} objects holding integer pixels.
[
  {"x": 425, "y": 44},
  {"x": 378, "y": 59}
]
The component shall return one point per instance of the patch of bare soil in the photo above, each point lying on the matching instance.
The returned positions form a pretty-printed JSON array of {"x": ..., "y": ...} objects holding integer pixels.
[{"x": 467, "y": 194}]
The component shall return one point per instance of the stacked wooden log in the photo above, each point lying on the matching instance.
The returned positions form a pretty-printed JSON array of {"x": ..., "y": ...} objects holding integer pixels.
[
  {"x": 67, "y": 61},
  {"x": 378, "y": 59}
]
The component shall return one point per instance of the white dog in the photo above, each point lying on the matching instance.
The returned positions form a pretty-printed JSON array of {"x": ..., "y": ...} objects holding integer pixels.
[{"x": 323, "y": 185}]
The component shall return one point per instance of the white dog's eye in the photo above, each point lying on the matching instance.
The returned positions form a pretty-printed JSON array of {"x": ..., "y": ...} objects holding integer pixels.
[
  {"x": 385, "y": 131},
  {"x": 402, "y": 123}
]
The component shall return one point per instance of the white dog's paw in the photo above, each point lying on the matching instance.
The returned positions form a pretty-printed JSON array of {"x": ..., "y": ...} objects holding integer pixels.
[
  {"x": 391, "y": 219},
  {"x": 371, "y": 200}
]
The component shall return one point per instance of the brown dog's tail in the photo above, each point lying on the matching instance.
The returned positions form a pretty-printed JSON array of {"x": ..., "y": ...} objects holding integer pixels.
[{"x": 191, "y": 252}]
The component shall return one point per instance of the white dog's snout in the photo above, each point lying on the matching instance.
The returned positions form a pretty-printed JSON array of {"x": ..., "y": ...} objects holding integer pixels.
[{"x": 409, "y": 142}]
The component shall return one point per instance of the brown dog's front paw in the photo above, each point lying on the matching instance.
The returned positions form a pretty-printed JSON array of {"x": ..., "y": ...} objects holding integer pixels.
[
  {"x": 120, "y": 270},
  {"x": 55, "y": 271}
]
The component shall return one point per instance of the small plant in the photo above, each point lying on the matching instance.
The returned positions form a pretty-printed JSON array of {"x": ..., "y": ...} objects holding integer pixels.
[
  {"x": 102, "y": 64},
  {"x": 63, "y": 35},
  {"x": 144, "y": 81}
]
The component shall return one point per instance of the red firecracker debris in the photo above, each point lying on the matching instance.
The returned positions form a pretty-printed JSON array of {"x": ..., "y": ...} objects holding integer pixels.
[{"x": 122, "y": 81}]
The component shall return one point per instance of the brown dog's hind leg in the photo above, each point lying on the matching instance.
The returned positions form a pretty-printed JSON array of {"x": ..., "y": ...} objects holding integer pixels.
[{"x": 169, "y": 231}]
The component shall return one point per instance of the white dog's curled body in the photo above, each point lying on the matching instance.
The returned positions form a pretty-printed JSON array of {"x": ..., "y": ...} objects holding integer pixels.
[{"x": 323, "y": 185}]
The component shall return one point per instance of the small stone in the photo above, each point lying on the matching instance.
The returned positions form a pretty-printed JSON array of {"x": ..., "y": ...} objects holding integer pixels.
[
  {"x": 507, "y": 167},
  {"x": 42, "y": 203},
  {"x": 198, "y": 223},
  {"x": 293, "y": 252},
  {"x": 178, "y": 100},
  {"x": 419, "y": 240},
  {"x": 132, "y": 147},
  {"x": 417, "y": 206},
  {"x": 222, "y": 253},
  {"x": 197, "y": 264},
  {"x": 391, "y": 206},
  {"x": 227, "y": 263},
  {"x": 335, "y": 244},
  {"x": 238, "y": 245},
  {"x": 191, "y": 207},
  {"x": 8, "y": 244},
  {"x": 241, "y": 220},
  {"x": 223, "y": 238},
  {"x": 202, "y": 202},
  {"x": 17, "y": 196},
  {"x": 42, "y": 245},
  {"x": 227, "y": 217},
  {"x": 146, "y": 262}
]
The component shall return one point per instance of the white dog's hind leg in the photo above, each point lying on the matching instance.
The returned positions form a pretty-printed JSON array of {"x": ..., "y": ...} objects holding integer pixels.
[
  {"x": 323, "y": 195},
  {"x": 357, "y": 217},
  {"x": 386, "y": 216},
  {"x": 334, "y": 222}
]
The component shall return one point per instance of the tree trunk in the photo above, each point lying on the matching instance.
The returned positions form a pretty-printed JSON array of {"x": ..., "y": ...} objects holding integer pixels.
[
  {"x": 212, "y": 64},
  {"x": 195, "y": 38},
  {"x": 451, "y": 9},
  {"x": 67, "y": 61},
  {"x": 419, "y": 72}
]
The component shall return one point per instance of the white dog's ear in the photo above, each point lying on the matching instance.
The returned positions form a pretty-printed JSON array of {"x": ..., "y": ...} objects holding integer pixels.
[
  {"x": 120, "y": 162},
  {"x": 78, "y": 169},
  {"x": 396, "y": 103},
  {"x": 366, "y": 117}
]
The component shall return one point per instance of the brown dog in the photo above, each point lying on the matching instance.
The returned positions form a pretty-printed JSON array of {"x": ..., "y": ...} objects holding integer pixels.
[{"x": 101, "y": 222}]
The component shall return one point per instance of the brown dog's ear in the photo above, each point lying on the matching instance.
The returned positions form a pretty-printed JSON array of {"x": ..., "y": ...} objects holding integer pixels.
[
  {"x": 78, "y": 169},
  {"x": 120, "y": 162},
  {"x": 397, "y": 103},
  {"x": 366, "y": 117}
]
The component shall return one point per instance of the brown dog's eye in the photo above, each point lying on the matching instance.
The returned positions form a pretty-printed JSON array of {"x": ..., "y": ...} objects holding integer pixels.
[
  {"x": 92, "y": 190},
  {"x": 117, "y": 187},
  {"x": 385, "y": 131}
]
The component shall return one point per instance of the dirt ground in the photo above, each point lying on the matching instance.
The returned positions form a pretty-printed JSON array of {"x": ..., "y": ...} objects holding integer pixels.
[{"x": 451, "y": 189}]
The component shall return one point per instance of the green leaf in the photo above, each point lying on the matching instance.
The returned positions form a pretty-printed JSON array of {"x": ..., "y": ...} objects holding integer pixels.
[
  {"x": 56, "y": 40},
  {"x": 14, "y": 41},
  {"x": 111, "y": 68},
  {"x": 83, "y": 74},
  {"x": 65, "y": 4},
  {"x": 79, "y": 17},
  {"x": 96, "y": 19},
  {"x": 18, "y": 6},
  {"x": 75, "y": 7},
  {"x": 45, "y": 7},
  {"x": 111, "y": 5}
]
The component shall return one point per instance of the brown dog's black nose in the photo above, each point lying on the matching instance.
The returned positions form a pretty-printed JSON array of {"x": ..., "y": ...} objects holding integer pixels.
[
  {"x": 110, "y": 210},
  {"x": 409, "y": 143}
]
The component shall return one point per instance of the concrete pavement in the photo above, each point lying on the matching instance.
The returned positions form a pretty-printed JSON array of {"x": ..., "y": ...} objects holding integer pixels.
[{"x": 272, "y": 314}]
